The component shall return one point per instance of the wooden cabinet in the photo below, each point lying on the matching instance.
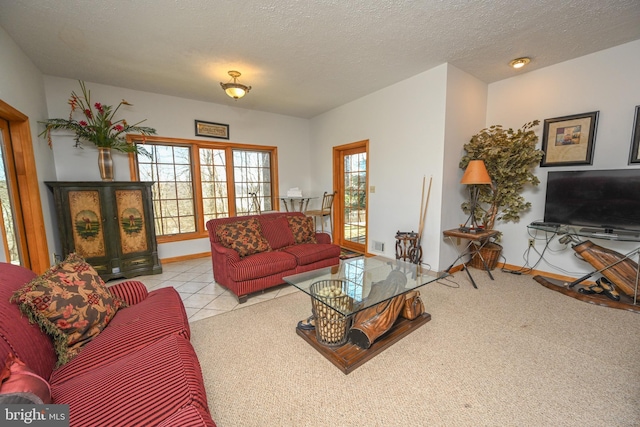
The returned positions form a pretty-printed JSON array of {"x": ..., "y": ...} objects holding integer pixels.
[{"x": 110, "y": 224}]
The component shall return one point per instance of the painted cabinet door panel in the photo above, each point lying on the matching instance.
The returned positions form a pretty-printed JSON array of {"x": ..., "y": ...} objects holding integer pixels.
[{"x": 110, "y": 224}]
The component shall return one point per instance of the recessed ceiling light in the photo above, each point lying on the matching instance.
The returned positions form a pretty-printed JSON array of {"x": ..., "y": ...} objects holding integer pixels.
[{"x": 519, "y": 62}]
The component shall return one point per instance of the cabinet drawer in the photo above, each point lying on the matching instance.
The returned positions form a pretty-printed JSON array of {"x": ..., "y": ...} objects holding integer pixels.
[{"x": 138, "y": 262}]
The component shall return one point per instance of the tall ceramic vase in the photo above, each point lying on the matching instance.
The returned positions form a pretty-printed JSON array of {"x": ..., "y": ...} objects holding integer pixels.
[{"x": 105, "y": 163}]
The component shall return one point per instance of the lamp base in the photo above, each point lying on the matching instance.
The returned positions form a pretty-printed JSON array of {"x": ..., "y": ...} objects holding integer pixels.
[
  {"x": 471, "y": 230},
  {"x": 470, "y": 225}
]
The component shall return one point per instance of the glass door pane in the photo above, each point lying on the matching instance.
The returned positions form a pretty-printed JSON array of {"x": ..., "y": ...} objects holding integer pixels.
[
  {"x": 355, "y": 198},
  {"x": 10, "y": 250}
]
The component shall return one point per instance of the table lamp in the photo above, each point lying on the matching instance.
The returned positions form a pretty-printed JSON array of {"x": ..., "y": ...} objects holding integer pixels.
[{"x": 475, "y": 174}]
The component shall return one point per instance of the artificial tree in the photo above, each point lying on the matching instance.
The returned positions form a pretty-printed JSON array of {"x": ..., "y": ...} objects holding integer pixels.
[{"x": 510, "y": 157}]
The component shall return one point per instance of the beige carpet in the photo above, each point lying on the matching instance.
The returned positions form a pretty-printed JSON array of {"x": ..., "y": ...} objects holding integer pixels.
[{"x": 511, "y": 353}]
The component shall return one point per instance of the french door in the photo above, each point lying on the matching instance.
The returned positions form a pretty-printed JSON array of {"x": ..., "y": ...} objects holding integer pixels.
[
  {"x": 11, "y": 250},
  {"x": 351, "y": 181}
]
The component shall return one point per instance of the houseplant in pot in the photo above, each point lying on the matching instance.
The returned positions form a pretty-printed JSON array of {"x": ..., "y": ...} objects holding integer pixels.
[
  {"x": 509, "y": 156},
  {"x": 99, "y": 126}
]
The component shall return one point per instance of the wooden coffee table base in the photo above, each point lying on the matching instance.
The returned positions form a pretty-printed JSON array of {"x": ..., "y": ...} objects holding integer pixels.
[{"x": 349, "y": 356}]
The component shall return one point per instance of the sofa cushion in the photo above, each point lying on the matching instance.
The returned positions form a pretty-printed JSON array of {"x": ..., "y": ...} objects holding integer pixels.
[
  {"x": 244, "y": 236},
  {"x": 157, "y": 316},
  {"x": 71, "y": 303},
  {"x": 143, "y": 388},
  {"x": 302, "y": 229},
  {"x": 277, "y": 232},
  {"x": 17, "y": 335},
  {"x": 17, "y": 380},
  {"x": 262, "y": 265},
  {"x": 309, "y": 253}
]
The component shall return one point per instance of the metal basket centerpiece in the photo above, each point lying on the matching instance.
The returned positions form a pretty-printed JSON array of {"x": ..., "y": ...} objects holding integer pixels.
[{"x": 332, "y": 327}]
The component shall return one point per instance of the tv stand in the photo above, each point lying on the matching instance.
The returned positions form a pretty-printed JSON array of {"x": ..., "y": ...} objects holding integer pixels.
[
  {"x": 604, "y": 234},
  {"x": 595, "y": 233},
  {"x": 610, "y": 233}
]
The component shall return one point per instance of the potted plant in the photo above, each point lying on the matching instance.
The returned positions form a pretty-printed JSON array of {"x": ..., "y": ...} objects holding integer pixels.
[
  {"x": 98, "y": 126},
  {"x": 509, "y": 157}
]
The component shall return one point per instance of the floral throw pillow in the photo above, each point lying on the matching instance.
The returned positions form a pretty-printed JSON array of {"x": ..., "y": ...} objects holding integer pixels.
[
  {"x": 71, "y": 303},
  {"x": 302, "y": 229},
  {"x": 245, "y": 237}
]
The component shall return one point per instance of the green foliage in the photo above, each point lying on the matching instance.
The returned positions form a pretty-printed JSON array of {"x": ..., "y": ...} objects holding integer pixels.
[{"x": 509, "y": 157}]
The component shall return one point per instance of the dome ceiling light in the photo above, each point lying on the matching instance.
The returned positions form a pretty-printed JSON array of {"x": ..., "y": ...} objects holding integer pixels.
[
  {"x": 519, "y": 62},
  {"x": 235, "y": 90}
]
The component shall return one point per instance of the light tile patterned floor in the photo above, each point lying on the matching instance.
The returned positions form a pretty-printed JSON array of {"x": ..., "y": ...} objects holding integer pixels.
[{"x": 201, "y": 295}]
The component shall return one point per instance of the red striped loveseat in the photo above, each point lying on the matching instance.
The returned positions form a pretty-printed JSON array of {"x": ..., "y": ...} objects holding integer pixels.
[
  {"x": 140, "y": 370},
  {"x": 288, "y": 250}
]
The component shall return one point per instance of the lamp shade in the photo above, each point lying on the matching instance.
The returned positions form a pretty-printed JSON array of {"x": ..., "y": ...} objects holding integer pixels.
[
  {"x": 235, "y": 91},
  {"x": 476, "y": 173}
]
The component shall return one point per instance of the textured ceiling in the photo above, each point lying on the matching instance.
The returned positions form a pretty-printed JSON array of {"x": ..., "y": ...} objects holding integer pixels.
[{"x": 304, "y": 57}]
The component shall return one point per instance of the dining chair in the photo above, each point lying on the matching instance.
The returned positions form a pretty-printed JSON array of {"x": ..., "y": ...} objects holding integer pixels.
[
  {"x": 326, "y": 210},
  {"x": 255, "y": 204},
  {"x": 255, "y": 208}
]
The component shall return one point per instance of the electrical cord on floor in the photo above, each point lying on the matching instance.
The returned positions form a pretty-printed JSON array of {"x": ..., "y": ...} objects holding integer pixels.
[
  {"x": 438, "y": 281},
  {"x": 453, "y": 285},
  {"x": 526, "y": 268},
  {"x": 547, "y": 248}
]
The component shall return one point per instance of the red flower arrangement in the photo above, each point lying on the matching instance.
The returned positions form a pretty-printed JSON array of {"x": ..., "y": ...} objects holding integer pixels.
[{"x": 98, "y": 125}]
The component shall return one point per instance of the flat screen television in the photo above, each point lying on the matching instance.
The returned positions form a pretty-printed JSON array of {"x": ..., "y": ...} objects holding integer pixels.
[{"x": 603, "y": 199}]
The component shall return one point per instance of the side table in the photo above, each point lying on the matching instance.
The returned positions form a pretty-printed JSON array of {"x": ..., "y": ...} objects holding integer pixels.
[
  {"x": 298, "y": 204},
  {"x": 408, "y": 248},
  {"x": 475, "y": 242}
]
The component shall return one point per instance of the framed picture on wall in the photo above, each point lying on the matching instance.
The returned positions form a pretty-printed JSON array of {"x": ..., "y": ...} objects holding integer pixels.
[
  {"x": 212, "y": 130},
  {"x": 569, "y": 140},
  {"x": 634, "y": 155}
]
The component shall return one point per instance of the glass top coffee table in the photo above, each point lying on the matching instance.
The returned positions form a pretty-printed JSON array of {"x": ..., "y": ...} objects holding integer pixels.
[{"x": 360, "y": 289}]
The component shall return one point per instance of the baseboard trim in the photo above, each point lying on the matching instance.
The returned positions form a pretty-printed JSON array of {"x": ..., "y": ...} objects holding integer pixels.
[
  {"x": 185, "y": 257},
  {"x": 523, "y": 270}
]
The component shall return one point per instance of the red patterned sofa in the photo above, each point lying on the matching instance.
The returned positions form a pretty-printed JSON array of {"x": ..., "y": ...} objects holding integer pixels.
[
  {"x": 278, "y": 244},
  {"x": 140, "y": 370}
]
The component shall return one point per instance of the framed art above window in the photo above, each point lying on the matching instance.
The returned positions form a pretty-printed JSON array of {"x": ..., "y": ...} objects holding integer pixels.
[
  {"x": 569, "y": 140},
  {"x": 634, "y": 155},
  {"x": 212, "y": 130}
]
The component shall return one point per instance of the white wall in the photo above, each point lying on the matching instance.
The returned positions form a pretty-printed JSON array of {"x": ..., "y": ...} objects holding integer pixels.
[
  {"x": 21, "y": 87},
  {"x": 174, "y": 117},
  {"x": 404, "y": 124},
  {"x": 606, "y": 81},
  {"x": 465, "y": 115}
]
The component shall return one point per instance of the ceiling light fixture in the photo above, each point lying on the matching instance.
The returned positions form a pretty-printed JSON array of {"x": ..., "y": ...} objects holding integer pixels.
[
  {"x": 519, "y": 62},
  {"x": 235, "y": 90}
]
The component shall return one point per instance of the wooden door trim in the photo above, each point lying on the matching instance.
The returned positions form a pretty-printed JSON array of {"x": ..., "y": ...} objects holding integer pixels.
[
  {"x": 14, "y": 194},
  {"x": 338, "y": 221},
  {"x": 36, "y": 250}
]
